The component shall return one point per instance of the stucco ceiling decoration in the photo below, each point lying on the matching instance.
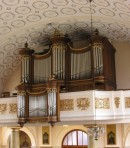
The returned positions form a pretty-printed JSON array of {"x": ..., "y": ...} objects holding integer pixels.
[{"x": 26, "y": 20}]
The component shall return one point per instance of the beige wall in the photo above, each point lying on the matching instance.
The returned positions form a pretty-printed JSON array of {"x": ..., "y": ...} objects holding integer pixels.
[
  {"x": 58, "y": 132},
  {"x": 13, "y": 81},
  {"x": 122, "y": 60}
]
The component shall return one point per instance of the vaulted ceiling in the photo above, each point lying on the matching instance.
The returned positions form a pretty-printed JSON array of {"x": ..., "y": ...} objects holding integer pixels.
[{"x": 29, "y": 20}]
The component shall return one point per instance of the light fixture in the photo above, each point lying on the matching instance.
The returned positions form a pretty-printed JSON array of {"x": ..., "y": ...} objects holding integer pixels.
[{"x": 95, "y": 130}]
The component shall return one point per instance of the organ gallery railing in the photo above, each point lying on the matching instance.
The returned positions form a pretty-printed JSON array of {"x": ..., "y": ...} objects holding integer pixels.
[{"x": 66, "y": 69}]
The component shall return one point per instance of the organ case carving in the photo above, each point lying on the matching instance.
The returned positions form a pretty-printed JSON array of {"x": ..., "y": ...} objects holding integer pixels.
[{"x": 62, "y": 68}]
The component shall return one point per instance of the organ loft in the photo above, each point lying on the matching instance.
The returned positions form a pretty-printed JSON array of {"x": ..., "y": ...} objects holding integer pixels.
[{"x": 62, "y": 68}]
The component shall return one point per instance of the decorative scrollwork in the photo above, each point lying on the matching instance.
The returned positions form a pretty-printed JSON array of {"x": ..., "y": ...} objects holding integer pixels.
[
  {"x": 127, "y": 102},
  {"x": 102, "y": 103},
  {"x": 66, "y": 104},
  {"x": 117, "y": 102},
  {"x": 22, "y": 93},
  {"x": 83, "y": 103},
  {"x": 12, "y": 108},
  {"x": 51, "y": 90},
  {"x": 3, "y": 108}
]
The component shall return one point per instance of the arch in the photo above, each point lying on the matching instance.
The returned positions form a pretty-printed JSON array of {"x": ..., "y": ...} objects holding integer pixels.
[
  {"x": 76, "y": 137},
  {"x": 126, "y": 136},
  {"x": 30, "y": 134},
  {"x": 7, "y": 133},
  {"x": 62, "y": 131}
]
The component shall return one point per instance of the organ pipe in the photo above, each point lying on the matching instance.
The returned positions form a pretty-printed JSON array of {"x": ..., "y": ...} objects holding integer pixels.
[{"x": 61, "y": 68}]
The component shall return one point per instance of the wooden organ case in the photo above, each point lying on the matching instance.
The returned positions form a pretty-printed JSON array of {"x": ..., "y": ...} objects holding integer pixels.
[{"x": 62, "y": 68}]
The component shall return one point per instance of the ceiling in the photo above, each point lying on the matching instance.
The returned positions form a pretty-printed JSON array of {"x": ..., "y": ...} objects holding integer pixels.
[{"x": 29, "y": 20}]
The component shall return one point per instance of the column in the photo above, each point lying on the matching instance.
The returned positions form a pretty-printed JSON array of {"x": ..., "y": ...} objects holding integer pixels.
[
  {"x": 15, "y": 141},
  {"x": 92, "y": 143}
]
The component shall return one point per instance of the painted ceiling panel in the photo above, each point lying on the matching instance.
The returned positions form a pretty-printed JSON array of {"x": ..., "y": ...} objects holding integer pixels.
[{"x": 27, "y": 20}]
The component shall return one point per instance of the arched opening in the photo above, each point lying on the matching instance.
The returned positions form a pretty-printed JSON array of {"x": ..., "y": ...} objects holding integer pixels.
[
  {"x": 25, "y": 141},
  {"x": 75, "y": 139}
]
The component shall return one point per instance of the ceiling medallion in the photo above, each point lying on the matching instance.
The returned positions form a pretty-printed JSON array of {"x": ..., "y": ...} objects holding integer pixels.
[
  {"x": 68, "y": 11},
  {"x": 115, "y": 26},
  {"x": 5, "y": 30},
  {"x": 81, "y": 25},
  {"x": 106, "y": 12},
  {"x": 122, "y": 7},
  {"x": 50, "y": 14},
  {"x": 21, "y": 40},
  {"x": 18, "y": 23},
  {"x": 6, "y": 16},
  {"x": 59, "y": 2},
  {"x": 125, "y": 17},
  {"x": 33, "y": 18},
  {"x": 40, "y": 5},
  {"x": 23, "y": 10},
  {"x": 80, "y": 2},
  {"x": 104, "y": 3},
  {"x": 7, "y": 72},
  {"x": 86, "y": 10},
  {"x": 35, "y": 34},
  {"x": 16, "y": 63},
  {"x": 10, "y": 2},
  {"x": 9, "y": 47},
  {"x": 7, "y": 59}
]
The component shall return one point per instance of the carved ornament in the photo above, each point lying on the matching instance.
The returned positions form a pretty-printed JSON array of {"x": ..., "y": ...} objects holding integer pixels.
[
  {"x": 117, "y": 102},
  {"x": 102, "y": 103},
  {"x": 66, "y": 104},
  {"x": 3, "y": 108},
  {"x": 83, "y": 103},
  {"x": 12, "y": 108}
]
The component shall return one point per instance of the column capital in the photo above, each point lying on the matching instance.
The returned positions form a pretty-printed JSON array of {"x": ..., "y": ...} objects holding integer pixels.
[{"x": 15, "y": 128}]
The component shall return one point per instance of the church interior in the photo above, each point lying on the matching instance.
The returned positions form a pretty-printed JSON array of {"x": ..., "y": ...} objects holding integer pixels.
[{"x": 64, "y": 74}]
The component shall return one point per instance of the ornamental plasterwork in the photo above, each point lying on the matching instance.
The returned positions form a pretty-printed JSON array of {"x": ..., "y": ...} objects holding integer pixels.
[
  {"x": 83, "y": 103},
  {"x": 127, "y": 102},
  {"x": 102, "y": 103},
  {"x": 117, "y": 102},
  {"x": 3, "y": 108},
  {"x": 13, "y": 108},
  {"x": 66, "y": 104}
]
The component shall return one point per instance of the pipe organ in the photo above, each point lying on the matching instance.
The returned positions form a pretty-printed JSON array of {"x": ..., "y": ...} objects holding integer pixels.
[{"x": 62, "y": 68}]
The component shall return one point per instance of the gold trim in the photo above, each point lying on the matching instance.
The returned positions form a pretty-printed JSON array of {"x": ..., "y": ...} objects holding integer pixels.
[
  {"x": 12, "y": 108},
  {"x": 36, "y": 93},
  {"x": 127, "y": 102},
  {"x": 66, "y": 104},
  {"x": 102, "y": 103},
  {"x": 83, "y": 103},
  {"x": 117, "y": 102},
  {"x": 79, "y": 49},
  {"x": 3, "y": 108}
]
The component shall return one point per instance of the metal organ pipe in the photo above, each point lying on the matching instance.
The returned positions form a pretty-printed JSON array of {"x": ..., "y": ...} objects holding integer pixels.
[
  {"x": 59, "y": 60},
  {"x": 78, "y": 70},
  {"x": 98, "y": 61},
  {"x": 21, "y": 105},
  {"x": 42, "y": 70},
  {"x": 51, "y": 102}
]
